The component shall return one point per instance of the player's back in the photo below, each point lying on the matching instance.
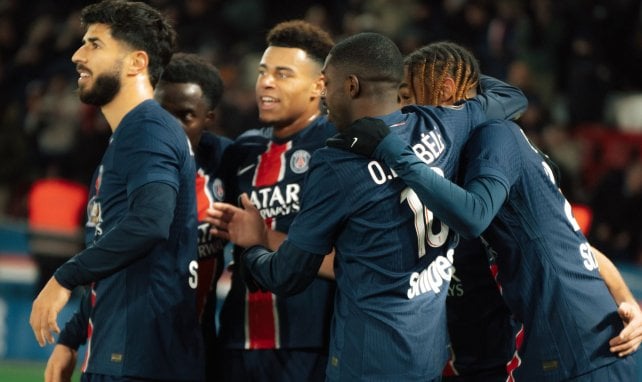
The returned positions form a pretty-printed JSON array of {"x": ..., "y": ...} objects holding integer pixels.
[{"x": 549, "y": 277}]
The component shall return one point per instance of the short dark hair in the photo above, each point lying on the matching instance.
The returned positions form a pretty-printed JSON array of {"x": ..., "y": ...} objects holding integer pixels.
[
  {"x": 192, "y": 68},
  {"x": 431, "y": 63},
  {"x": 302, "y": 35},
  {"x": 140, "y": 26},
  {"x": 370, "y": 56}
]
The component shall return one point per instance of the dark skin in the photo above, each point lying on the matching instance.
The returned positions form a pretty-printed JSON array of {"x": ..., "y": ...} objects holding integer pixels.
[
  {"x": 187, "y": 103},
  {"x": 350, "y": 97}
]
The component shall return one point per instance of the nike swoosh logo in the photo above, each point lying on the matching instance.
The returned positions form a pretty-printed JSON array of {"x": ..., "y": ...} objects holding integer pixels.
[
  {"x": 245, "y": 169},
  {"x": 354, "y": 141}
]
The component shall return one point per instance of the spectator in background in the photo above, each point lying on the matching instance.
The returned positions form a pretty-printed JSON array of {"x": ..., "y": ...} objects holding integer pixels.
[
  {"x": 616, "y": 204},
  {"x": 57, "y": 206}
]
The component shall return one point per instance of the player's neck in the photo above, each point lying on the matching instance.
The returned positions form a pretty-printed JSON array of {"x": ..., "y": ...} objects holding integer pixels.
[
  {"x": 294, "y": 127},
  {"x": 130, "y": 95}
]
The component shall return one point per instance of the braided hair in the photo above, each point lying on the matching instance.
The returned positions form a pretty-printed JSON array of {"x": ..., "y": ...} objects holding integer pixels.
[{"x": 431, "y": 64}]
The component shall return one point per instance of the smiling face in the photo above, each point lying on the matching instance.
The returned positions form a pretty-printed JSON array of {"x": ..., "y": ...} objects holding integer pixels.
[
  {"x": 99, "y": 63},
  {"x": 288, "y": 88}
]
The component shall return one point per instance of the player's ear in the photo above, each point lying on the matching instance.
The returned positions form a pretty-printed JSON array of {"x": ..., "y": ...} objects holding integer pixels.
[
  {"x": 352, "y": 86},
  {"x": 447, "y": 91},
  {"x": 317, "y": 88},
  {"x": 137, "y": 62},
  {"x": 210, "y": 117}
]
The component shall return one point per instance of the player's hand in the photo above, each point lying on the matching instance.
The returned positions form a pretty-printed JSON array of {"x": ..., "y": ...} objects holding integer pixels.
[
  {"x": 243, "y": 226},
  {"x": 44, "y": 311},
  {"x": 219, "y": 217},
  {"x": 61, "y": 364},
  {"x": 629, "y": 339},
  {"x": 361, "y": 137}
]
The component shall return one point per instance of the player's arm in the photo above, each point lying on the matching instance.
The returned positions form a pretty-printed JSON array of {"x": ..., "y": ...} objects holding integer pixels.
[
  {"x": 468, "y": 210},
  {"x": 629, "y": 339},
  {"x": 499, "y": 99},
  {"x": 151, "y": 210},
  {"x": 245, "y": 227},
  {"x": 326, "y": 270},
  {"x": 61, "y": 364},
  {"x": 74, "y": 333},
  {"x": 62, "y": 361},
  {"x": 147, "y": 221},
  {"x": 324, "y": 206},
  {"x": 285, "y": 272}
]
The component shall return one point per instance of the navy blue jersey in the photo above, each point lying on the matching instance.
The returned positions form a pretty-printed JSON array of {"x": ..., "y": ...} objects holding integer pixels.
[
  {"x": 544, "y": 265},
  {"x": 142, "y": 318},
  {"x": 210, "y": 188},
  {"x": 391, "y": 266},
  {"x": 548, "y": 275},
  {"x": 271, "y": 171},
  {"x": 482, "y": 332},
  {"x": 483, "y": 336}
]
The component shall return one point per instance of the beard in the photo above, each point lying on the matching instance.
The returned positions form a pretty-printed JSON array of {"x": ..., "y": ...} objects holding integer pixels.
[{"x": 105, "y": 88}]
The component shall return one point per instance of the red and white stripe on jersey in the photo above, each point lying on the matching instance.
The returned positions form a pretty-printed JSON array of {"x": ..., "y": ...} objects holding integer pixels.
[
  {"x": 204, "y": 198},
  {"x": 450, "y": 370},
  {"x": 514, "y": 363},
  {"x": 494, "y": 271},
  {"x": 261, "y": 314},
  {"x": 90, "y": 330},
  {"x": 271, "y": 166}
]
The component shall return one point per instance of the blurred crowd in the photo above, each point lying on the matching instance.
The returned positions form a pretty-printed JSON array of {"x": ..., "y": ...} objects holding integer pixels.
[{"x": 571, "y": 58}]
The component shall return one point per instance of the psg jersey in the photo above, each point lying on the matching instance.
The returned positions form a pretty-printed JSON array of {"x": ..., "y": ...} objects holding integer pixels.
[
  {"x": 141, "y": 321},
  {"x": 271, "y": 171},
  {"x": 548, "y": 276},
  {"x": 392, "y": 263},
  {"x": 210, "y": 188}
]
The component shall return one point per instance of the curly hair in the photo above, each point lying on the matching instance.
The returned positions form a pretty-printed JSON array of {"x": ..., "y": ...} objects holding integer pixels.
[
  {"x": 140, "y": 26},
  {"x": 302, "y": 35},
  {"x": 432, "y": 63},
  {"x": 192, "y": 68}
]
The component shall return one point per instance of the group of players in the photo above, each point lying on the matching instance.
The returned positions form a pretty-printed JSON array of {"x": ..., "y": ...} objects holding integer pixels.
[{"x": 348, "y": 263}]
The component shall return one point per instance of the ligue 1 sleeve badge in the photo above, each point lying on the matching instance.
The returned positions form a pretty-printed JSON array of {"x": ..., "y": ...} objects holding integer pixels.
[{"x": 299, "y": 161}]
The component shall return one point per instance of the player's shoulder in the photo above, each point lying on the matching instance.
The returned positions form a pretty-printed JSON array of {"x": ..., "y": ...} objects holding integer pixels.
[
  {"x": 500, "y": 129},
  {"x": 254, "y": 136},
  {"x": 250, "y": 141},
  {"x": 318, "y": 130},
  {"x": 148, "y": 121},
  {"x": 210, "y": 140}
]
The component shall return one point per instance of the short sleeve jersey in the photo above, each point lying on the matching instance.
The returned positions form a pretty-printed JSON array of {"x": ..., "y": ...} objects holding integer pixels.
[
  {"x": 271, "y": 171},
  {"x": 392, "y": 266},
  {"x": 143, "y": 318},
  {"x": 548, "y": 276}
]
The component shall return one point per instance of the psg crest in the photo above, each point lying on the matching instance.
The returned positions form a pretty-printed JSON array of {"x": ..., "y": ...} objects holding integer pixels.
[{"x": 299, "y": 161}]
